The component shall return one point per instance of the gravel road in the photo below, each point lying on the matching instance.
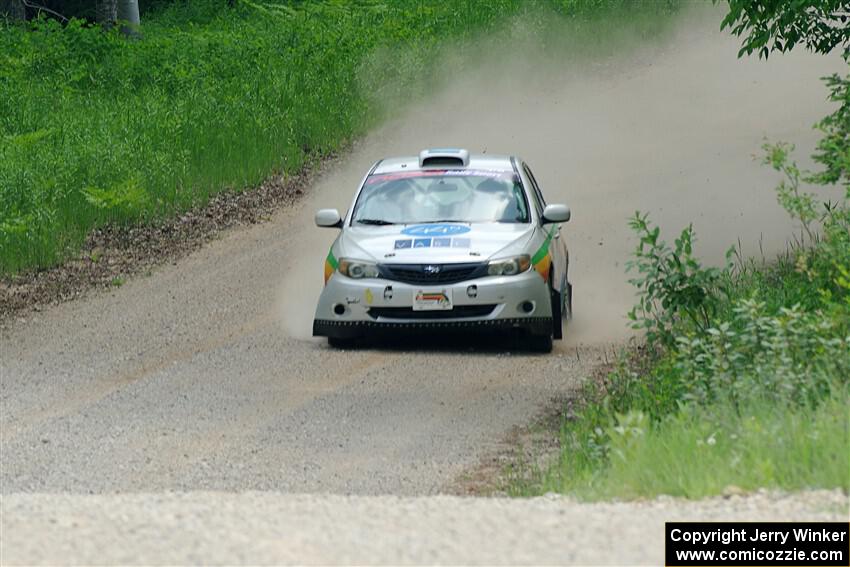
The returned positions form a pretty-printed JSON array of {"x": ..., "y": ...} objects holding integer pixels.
[
  {"x": 201, "y": 376},
  {"x": 272, "y": 528}
]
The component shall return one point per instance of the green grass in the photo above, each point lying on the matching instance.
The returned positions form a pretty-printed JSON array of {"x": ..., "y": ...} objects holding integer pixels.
[
  {"x": 703, "y": 452},
  {"x": 95, "y": 129}
]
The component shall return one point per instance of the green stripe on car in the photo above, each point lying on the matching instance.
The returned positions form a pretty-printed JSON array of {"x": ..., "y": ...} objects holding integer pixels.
[
  {"x": 544, "y": 248},
  {"x": 331, "y": 259}
]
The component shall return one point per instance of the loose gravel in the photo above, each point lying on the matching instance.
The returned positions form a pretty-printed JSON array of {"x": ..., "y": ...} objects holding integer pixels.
[{"x": 262, "y": 528}]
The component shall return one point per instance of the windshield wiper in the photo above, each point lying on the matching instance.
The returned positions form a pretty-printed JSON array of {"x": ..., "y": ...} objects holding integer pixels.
[
  {"x": 444, "y": 220},
  {"x": 378, "y": 222}
]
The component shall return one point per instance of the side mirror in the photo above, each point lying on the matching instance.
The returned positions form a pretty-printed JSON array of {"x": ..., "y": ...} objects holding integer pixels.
[
  {"x": 328, "y": 218},
  {"x": 556, "y": 213}
]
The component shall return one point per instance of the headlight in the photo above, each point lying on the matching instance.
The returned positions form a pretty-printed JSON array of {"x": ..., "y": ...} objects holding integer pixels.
[
  {"x": 509, "y": 266},
  {"x": 357, "y": 269}
]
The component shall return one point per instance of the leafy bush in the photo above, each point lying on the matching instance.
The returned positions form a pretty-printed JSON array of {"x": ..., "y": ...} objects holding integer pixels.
[
  {"x": 791, "y": 357},
  {"x": 671, "y": 284}
]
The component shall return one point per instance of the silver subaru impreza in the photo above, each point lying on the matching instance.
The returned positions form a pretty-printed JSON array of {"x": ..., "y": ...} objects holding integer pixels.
[{"x": 446, "y": 240}]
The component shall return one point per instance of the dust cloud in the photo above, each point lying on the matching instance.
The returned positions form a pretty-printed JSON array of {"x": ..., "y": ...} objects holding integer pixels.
[{"x": 669, "y": 127}]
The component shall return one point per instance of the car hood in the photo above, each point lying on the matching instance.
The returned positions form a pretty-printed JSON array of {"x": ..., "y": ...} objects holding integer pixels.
[{"x": 435, "y": 242}]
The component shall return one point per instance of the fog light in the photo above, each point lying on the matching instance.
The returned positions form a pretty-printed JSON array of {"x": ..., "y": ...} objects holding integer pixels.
[
  {"x": 339, "y": 309},
  {"x": 472, "y": 291},
  {"x": 526, "y": 306}
]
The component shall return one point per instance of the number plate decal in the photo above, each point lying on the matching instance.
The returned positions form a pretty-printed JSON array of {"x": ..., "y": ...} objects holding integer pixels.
[{"x": 432, "y": 299}]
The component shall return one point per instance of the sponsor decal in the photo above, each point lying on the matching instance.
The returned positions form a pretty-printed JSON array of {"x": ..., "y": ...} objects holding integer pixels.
[
  {"x": 439, "y": 242},
  {"x": 542, "y": 260},
  {"x": 330, "y": 264},
  {"x": 494, "y": 174},
  {"x": 435, "y": 229},
  {"x": 367, "y": 295},
  {"x": 438, "y": 296}
]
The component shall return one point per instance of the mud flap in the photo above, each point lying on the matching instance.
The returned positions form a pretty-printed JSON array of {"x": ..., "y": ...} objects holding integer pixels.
[{"x": 557, "y": 320}]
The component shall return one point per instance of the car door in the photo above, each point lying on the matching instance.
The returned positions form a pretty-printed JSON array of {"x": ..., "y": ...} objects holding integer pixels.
[{"x": 557, "y": 247}]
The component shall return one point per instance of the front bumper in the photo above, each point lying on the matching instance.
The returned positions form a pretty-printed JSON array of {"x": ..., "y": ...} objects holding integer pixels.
[{"x": 351, "y": 308}]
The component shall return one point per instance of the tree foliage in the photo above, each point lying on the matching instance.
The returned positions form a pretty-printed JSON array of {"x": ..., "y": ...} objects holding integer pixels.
[
  {"x": 833, "y": 150},
  {"x": 780, "y": 25}
]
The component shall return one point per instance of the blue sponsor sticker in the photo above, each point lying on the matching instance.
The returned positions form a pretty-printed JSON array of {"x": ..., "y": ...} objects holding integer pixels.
[
  {"x": 421, "y": 242},
  {"x": 435, "y": 229},
  {"x": 406, "y": 243},
  {"x": 460, "y": 243},
  {"x": 441, "y": 242}
]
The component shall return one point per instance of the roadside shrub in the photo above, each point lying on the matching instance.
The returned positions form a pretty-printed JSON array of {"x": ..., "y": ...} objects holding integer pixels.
[
  {"x": 672, "y": 285},
  {"x": 791, "y": 357}
]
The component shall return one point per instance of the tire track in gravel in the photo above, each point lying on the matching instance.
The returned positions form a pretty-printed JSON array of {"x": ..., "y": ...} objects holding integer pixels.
[
  {"x": 227, "y": 436},
  {"x": 103, "y": 386}
]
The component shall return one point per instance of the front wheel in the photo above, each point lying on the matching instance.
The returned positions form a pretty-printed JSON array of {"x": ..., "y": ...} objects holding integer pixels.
[
  {"x": 346, "y": 343},
  {"x": 540, "y": 343}
]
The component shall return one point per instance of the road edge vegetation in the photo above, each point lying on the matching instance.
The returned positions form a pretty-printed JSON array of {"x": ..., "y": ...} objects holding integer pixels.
[{"x": 743, "y": 380}]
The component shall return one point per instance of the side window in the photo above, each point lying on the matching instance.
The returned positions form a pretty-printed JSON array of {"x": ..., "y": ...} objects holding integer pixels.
[{"x": 539, "y": 202}]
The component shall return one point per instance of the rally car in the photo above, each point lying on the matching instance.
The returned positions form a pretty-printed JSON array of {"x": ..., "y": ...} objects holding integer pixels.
[{"x": 446, "y": 240}]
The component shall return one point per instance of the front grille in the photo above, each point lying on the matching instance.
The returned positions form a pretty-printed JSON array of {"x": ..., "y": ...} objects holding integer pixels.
[
  {"x": 446, "y": 274},
  {"x": 458, "y": 312}
]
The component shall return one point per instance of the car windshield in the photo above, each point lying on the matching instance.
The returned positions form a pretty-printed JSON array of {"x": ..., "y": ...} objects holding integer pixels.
[{"x": 441, "y": 196}]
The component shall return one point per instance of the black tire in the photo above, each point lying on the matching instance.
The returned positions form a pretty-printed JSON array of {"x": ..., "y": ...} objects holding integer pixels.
[
  {"x": 568, "y": 302},
  {"x": 346, "y": 343},
  {"x": 540, "y": 343}
]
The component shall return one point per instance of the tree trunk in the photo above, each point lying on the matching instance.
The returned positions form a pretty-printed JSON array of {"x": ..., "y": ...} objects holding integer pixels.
[
  {"x": 128, "y": 12},
  {"x": 106, "y": 12},
  {"x": 12, "y": 9}
]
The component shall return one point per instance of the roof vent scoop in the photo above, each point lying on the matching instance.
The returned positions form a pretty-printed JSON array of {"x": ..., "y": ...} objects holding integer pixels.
[{"x": 444, "y": 157}]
